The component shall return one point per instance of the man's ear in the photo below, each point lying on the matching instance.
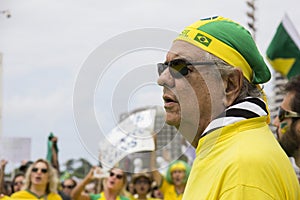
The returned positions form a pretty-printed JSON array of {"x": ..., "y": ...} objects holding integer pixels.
[{"x": 233, "y": 83}]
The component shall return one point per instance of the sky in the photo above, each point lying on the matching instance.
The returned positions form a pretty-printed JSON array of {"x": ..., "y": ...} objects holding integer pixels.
[{"x": 67, "y": 60}]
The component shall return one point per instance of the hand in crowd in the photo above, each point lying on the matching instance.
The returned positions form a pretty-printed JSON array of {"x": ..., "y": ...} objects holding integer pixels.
[{"x": 3, "y": 163}]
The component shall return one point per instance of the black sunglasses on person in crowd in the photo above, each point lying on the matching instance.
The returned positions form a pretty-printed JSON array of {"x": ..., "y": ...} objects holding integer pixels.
[
  {"x": 118, "y": 176},
  {"x": 68, "y": 186},
  {"x": 283, "y": 114},
  {"x": 19, "y": 183},
  {"x": 179, "y": 67},
  {"x": 43, "y": 170}
]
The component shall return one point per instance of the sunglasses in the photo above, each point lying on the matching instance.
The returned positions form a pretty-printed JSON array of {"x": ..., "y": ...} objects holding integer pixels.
[
  {"x": 18, "y": 183},
  {"x": 141, "y": 181},
  {"x": 43, "y": 170},
  {"x": 283, "y": 114},
  {"x": 68, "y": 186},
  {"x": 118, "y": 176},
  {"x": 179, "y": 67}
]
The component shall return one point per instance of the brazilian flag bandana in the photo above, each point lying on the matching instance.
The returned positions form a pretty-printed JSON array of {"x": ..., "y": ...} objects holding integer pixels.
[{"x": 230, "y": 42}]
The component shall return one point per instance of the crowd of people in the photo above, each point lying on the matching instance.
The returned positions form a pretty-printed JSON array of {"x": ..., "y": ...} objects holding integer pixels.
[
  {"x": 40, "y": 181},
  {"x": 211, "y": 90}
]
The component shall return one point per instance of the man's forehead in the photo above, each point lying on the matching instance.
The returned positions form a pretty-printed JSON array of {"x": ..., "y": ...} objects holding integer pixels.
[
  {"x": 286, "y": 103},
  {"x": 182, "y": 49}
]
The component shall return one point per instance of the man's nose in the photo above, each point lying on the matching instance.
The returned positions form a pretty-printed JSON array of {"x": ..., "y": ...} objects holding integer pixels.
[
  {"x": 165, "y": 79},
  {"x": 276, "y": 122}
]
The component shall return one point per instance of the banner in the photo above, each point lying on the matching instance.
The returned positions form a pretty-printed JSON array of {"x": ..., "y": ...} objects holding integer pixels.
[
  {"x": 283, "y": 52},
  {"x": 134, "y": 134},
  {"x": 15, "y": 149}
]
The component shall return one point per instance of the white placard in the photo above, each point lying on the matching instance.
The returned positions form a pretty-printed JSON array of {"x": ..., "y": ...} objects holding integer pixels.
[
  {"x": 134, "y": 134},
  {"x": 15, "y": 149}
]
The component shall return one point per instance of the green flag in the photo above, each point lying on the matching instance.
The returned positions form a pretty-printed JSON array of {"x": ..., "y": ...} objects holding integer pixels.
[
  {"x": 52, "y": 151},
  {"x": 283, "y": 52}
]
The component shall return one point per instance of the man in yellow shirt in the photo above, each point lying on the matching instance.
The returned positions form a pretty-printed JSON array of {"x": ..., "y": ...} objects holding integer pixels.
[
  {"x": 211, "y": 94},
  {"x": 173, "y": 184}
]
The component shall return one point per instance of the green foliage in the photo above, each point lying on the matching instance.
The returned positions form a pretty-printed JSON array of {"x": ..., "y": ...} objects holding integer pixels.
[{"x": 78, "y": 168}]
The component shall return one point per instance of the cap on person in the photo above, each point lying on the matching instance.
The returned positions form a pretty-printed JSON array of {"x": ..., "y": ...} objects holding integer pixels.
[
  {"x": 145, "y": 175},
  {"x": 230, "y": 42}
]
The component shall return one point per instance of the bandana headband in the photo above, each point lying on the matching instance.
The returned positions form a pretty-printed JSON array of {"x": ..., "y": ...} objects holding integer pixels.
[{"x": 230, "y": 42}]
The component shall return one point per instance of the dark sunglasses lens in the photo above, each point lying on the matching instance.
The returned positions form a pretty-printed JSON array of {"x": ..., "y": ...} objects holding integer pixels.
[
  {"x": 178, "y": 68},
  {"x": 18, "y": 183},
  {"x": 281, "y": 114},
  {"x": 43, "y": 170},
  {"x": 34, "y": 169},
  {"x": 178, "y": 64},
  {"x": 161, "y": 68},
  {"x": 68, "y": 186},
  {"x": 119, "y": 176}
]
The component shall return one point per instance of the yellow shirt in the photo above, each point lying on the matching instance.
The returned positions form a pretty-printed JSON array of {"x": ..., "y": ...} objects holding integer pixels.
[
  {"x": 25, "y": 194},
  {"x": 169, "y": 191},
  {"x": 241, "y": 161},
  {"x": 5, "y": 198}
]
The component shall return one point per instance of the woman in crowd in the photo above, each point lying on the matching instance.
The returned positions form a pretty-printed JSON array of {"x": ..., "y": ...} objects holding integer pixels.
[
  {"x": 17, "y": 182},
  {"x": 114, "y": 186},
  {"x": 67, "y": 186},
  {"x": 142, "y": 187},
  {"x": 40, "y": 182}
]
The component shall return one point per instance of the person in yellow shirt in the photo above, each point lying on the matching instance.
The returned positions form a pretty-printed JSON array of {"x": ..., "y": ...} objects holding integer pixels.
[
  {"x": 173, "y": 184},
  {"x": 114, "y": 185},
  {"x": 142, "y": 186},
  {"x": 211, "y": 90},
  {"x": 4, "y": 197},
  {"x": 40, "y": 182}
]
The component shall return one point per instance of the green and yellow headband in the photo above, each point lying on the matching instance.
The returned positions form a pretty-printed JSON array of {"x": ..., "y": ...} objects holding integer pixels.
[
  {"x": 230, "y": 42},
  {"x": 178, "y": 165}
]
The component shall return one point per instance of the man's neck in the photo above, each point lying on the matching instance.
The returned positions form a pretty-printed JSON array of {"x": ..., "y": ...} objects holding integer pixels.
[{"x": 179, "y": 189}]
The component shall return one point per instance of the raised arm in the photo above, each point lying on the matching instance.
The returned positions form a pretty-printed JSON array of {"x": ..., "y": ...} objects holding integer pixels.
[
  {"x": 2, "y": 173},
  {"x": 76, "y": 193}
]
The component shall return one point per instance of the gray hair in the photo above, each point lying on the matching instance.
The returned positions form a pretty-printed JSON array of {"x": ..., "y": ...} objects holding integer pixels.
[{"x": 248, "y": 89}]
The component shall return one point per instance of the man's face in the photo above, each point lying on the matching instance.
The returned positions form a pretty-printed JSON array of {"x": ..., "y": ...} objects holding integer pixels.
[
  {"x": 178, "y": 177},
  {"x": 193, "y": 100},
  {"x": 288, "y": 133},
  {"x": 142, "y": 186}
]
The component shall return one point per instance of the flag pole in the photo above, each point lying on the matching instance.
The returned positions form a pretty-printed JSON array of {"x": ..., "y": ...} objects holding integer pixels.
[{"x": 251, "y": 16}]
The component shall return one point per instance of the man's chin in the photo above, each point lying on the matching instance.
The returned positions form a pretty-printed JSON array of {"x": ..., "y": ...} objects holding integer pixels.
[{"x": 173, "y": 122}]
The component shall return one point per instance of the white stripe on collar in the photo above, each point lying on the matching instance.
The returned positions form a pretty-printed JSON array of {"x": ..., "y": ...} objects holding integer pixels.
[{"x": 224, "y": 121}]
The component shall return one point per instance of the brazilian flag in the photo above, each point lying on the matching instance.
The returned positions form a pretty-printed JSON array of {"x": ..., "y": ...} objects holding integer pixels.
[{"x": 283, "y": 52}]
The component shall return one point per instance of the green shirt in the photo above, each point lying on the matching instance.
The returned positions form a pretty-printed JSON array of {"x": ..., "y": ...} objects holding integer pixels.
[{"x": 102, "y": 197}]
